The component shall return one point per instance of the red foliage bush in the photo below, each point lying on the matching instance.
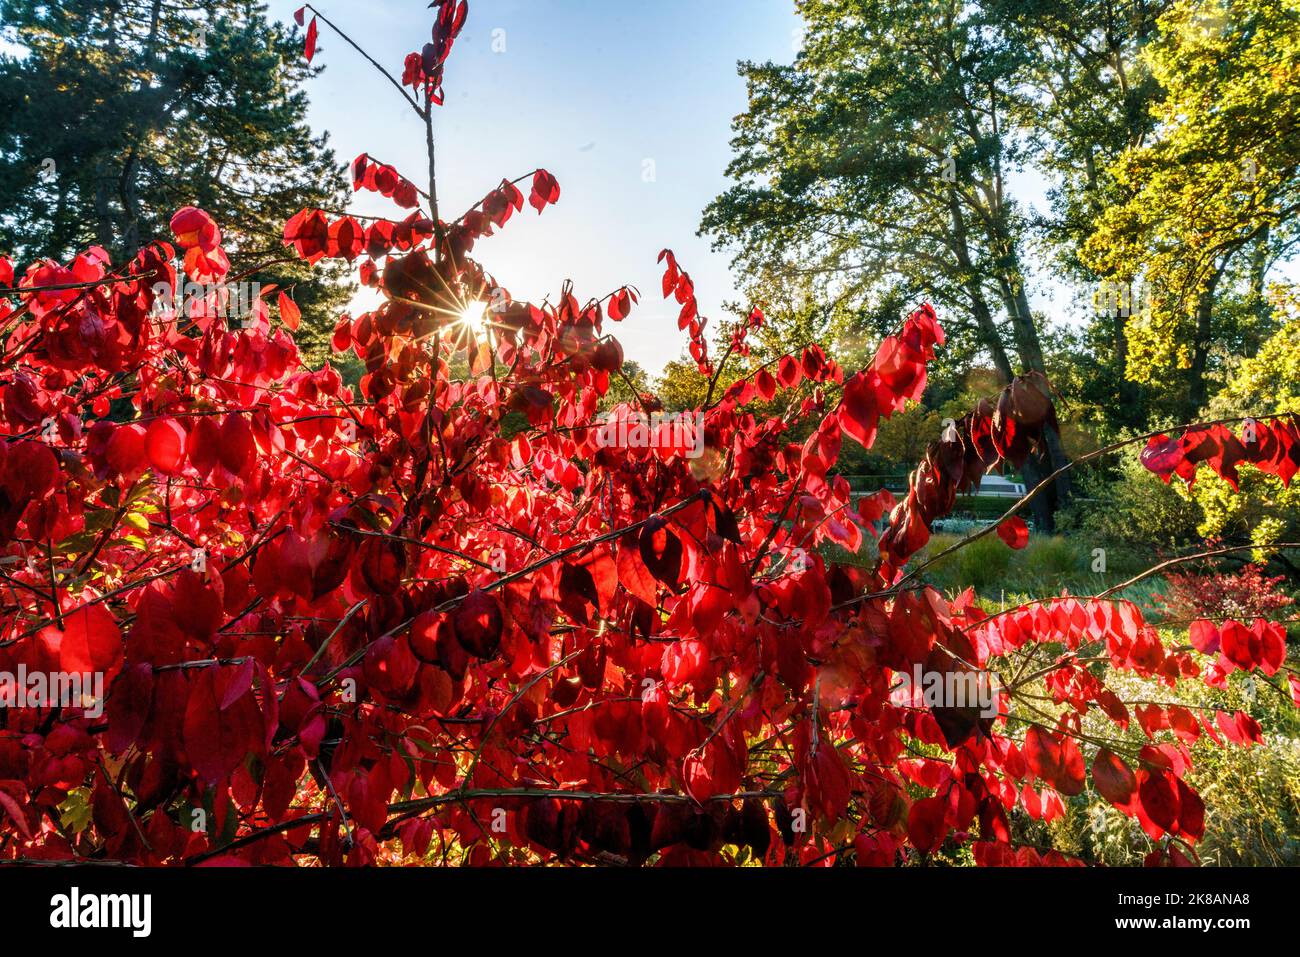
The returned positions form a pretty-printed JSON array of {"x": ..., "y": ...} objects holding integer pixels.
[
  {"x": 440, "y": 611},
  {"x": 1245, "y": 592}
]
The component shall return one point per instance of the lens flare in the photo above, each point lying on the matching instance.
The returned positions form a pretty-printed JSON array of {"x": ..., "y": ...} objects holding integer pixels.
[{"x": 475, "y": 316}]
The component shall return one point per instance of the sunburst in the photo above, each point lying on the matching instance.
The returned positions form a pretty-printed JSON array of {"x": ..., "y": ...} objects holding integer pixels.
[{"x": 474, "y": 316}]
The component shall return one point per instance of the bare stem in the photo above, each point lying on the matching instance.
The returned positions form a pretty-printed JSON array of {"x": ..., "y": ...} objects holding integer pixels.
[{"x": 400, "y": 89}]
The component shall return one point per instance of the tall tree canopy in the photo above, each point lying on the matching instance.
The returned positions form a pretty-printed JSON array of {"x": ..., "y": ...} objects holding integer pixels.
[
  {"x": 877, "y": 162},
  {"x": 1084, "y": 95},
  {"x": 114, "y": 113},
  {"x": 1211, "y": 200}
]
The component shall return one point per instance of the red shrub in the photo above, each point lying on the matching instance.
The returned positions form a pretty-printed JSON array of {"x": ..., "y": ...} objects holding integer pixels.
[{"x": 1244, "y": 593}]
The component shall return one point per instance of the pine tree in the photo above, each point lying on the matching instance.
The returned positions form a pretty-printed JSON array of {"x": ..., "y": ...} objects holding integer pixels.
[{"x": 114, "y": 113}]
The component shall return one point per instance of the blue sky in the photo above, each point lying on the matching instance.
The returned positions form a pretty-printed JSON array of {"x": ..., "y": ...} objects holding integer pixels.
[{"x": 592, "y": 90}]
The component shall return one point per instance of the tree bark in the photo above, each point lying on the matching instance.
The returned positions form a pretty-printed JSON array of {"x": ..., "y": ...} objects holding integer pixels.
[
  {"x": 1197, "y": 387},
  {"x": 103, "y": 215},
  {"x": 979, "y": 305},
  {"x": 1258, "y": 295},
  {"x": 127, "y": 191},
  {"x": 1029, "y": 347}
]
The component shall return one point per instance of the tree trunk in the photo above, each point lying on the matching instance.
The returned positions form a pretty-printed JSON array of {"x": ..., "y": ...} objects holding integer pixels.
[
  {"x": 979, "y": 305},
  {"x": 1197, "y": 387},
  {"x": 130, "y": 207},
  {"x": 103, "y": 215},
  {"x": 1052, "y": 457},
  {"x": 127, "y": 191},
  {"x": 989, "y": 331},
  {"x": 1028, "y": 345},
  {"x": 1258, "y": 296}
]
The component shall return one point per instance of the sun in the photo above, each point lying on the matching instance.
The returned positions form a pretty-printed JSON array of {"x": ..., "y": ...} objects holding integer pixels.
[{"x": 474, "y": 316}]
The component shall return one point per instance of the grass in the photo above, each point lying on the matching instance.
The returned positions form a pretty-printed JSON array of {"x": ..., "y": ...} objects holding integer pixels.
[{"x": 1048, "y": 564}]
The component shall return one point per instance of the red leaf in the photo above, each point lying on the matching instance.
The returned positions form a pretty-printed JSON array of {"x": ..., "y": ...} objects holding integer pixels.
[
  {"x": 217, "y": 741},
  {"x": 477, "y": 623},
  {"x": 15, "y": 814},
  {"x": 1163, "y": 455},
  {"x": 1159, "y": 797},
  {"x": 89, "y": 642},
  {"x": 925, "y": 823},
  {"x": 1272, "y": 641},
  {"x": 712, "y": 772},
  {"x": 788, "y": 372},
  {"x": 858, "y": 412},
  {"x": 1191, "y": 812},
  {"x": 425, "y": 633},
  {"x": 359, "y": 167},
  {"x": 1014, "y": 532},
  {"x": 129, "y": 702},
  {"x": 164, "y": 444},
  {"x": 1240, "y": 645},
  {"x": 1204, "y": 636},
  {"x": 308, "y": 232},
  {"x": 126, "y": 450},
  {"x": 195, "y": 229},
  {"x": 1055, "y": 759},
  {"x": 545, "y": 190},
  {"x": 620, "y": 304},
  {"x": 289, "y": 312},
  {"x": 1113, "y": 779},
  {"x": 235, "y": 447},
  {"x": 309, "y": 50},
  {"x": 240, "y": 684},
  {"x": 633, "y": 573},
  {"x": 661, "y": 551}
]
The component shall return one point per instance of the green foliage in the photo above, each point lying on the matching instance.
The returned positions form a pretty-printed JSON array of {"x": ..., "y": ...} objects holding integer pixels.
[
  {"x": 1086, "y": 96},
  {"x": 982, "y": 564},
  {"x": 627, "y": 387},
  {"x": 682, "y": 386},
  {"x": 1265, "y": 510},
  {"x": 1046, "y": 565},
  {"x": 1220, "y": 178},
  {"x": 902, "y": 439},
  {"x": 874, "y": 169},
  {"x": 1128, "y": 511}
]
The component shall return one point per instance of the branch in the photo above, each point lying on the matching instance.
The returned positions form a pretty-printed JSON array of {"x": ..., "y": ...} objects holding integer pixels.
[{"x": 400, "y": 89}]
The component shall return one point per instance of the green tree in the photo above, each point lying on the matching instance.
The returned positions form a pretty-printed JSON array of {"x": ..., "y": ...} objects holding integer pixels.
[
  {"x": 627, "y": 387},
  {"x": 1265, "y": 510},
  {"x": 877, "y": 161},
  {"x": 903, "y": 438},
  {"x": 1085, "y": 95},
  {"x": 1210, "y": 202},
  {"x": 681, "y": 387},
  {"x": 144, "y": 106},
  {"x": 877, "y": 165}
]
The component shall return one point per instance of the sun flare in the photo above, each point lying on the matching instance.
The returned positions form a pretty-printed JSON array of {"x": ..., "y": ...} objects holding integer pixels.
[{"x": 475, "y": 316}]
